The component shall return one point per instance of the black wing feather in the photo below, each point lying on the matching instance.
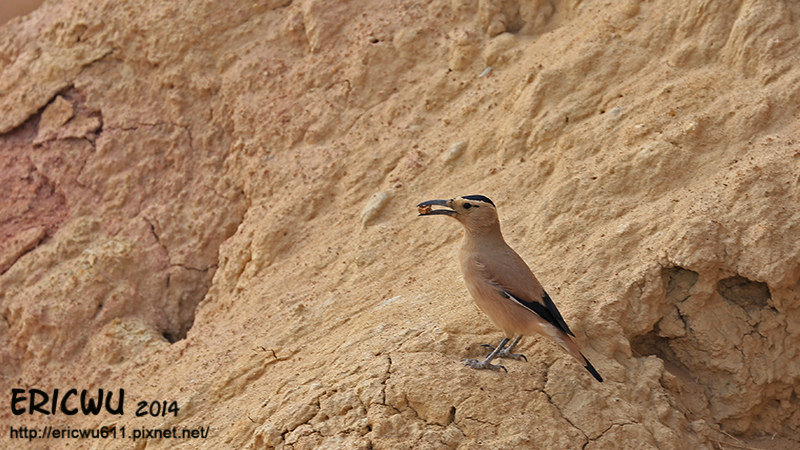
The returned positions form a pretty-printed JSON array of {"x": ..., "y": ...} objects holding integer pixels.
[{"x": 548, "y": 312}]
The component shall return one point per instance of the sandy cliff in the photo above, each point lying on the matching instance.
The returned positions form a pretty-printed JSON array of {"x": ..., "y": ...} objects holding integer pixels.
[{"x": 212, "y": 203}]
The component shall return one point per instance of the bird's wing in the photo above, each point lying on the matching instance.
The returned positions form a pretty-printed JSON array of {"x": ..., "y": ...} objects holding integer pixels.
[
  {"x": 526, "y": 290},
  {"x": 548, "y": 311}
]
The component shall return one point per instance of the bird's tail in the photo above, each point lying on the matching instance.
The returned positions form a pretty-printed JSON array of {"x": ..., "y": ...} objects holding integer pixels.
[
  {"x": 570, "y": 346},
  {"x": 591, "y": 369}
]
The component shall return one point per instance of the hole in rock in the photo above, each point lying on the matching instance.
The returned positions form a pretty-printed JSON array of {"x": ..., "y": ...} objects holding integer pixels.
[
  {"x": 745, "y": 293},
  {"x": 651, "y": 344},
  {"x": 172, "y": 338},
  {"x": 187, "y": 288},
  {"x": 678, "y": 282}
]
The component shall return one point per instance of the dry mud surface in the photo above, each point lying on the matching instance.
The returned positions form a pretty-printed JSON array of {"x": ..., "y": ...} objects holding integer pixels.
[{"x": 212, "y": 202}]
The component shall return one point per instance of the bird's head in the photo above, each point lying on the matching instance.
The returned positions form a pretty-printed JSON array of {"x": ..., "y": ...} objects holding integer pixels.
[{"x": 475, "y": 212}]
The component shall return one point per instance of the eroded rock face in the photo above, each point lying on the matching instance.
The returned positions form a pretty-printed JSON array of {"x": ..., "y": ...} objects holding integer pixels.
[{"x": 212, "y": 203}]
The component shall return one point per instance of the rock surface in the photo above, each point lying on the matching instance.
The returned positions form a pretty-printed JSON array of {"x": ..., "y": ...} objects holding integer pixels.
[{"x": 212, "y": 202}]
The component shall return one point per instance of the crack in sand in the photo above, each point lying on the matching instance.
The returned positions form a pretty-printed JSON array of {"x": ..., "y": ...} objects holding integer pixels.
[
  {"x": 602, "y": 433},
  {"x": 563, "y": 416},
  {"x": 157, "y": 238}
]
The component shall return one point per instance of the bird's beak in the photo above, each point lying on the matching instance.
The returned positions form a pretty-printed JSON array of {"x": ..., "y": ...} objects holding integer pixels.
[{"x": 425, "y": 208}]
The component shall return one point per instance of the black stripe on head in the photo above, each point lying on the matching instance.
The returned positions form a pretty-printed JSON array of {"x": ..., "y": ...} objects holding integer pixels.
[{"x": 479, "y": 198}]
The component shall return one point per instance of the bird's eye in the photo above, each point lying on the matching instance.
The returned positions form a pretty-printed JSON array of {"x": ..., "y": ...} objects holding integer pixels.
[{"x": 467, "y": 206}]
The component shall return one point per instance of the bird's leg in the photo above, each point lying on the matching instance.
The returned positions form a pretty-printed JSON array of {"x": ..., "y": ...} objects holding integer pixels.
[
  {"x": 486, "y": 363},
  {"x": 506, "y": 352}
]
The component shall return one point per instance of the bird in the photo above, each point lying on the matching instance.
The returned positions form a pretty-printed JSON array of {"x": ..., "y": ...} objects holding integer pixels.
[{"x": 501, "y": 283}]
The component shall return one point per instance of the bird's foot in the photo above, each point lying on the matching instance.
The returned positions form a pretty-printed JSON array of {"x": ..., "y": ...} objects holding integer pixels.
[
  {"x": 506, "y": 353},
  {"x": 475, "y": 364}
]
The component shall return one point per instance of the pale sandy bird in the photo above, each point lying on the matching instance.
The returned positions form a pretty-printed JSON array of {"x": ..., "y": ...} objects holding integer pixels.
[{"x": 500, "y": 282}]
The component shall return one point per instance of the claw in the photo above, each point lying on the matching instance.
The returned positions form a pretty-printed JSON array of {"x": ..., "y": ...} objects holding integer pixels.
[
  {"x": 504, "y": 353},
  {"x": 475, "y": 364}
]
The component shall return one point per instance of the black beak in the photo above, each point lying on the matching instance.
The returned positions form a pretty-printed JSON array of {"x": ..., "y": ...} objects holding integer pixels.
[{"x": 426, "y": 210}]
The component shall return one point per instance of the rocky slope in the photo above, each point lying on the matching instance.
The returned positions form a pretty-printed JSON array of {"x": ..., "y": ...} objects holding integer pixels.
[{"x": 212, "y": 203}]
